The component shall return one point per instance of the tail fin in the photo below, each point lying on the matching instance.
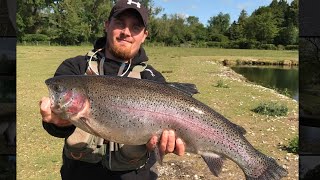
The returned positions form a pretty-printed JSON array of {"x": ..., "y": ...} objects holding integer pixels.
[{"x": 272, "y": 171}]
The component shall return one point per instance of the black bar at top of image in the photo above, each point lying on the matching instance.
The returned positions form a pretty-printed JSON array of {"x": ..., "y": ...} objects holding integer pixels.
[
  {"x": 309, "y": 21},
  {"x": 8, "y": 26}
]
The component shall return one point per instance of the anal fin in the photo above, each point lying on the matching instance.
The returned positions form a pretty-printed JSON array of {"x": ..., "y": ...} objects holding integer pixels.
[{"x": 214, "y": 162}]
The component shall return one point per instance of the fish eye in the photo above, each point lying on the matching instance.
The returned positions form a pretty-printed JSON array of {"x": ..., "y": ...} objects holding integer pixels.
[{"x": 58, "y": 88}]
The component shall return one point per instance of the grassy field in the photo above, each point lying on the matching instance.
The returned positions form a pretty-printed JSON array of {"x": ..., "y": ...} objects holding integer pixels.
[{"x": 39, "y": 154}]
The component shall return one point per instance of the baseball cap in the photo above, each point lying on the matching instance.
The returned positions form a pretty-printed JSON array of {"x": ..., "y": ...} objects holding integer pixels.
[{"x": 123, "y": 5}]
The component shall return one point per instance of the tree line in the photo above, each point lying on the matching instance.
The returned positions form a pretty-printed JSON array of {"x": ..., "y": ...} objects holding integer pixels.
[{"x": 71, "y": 22}]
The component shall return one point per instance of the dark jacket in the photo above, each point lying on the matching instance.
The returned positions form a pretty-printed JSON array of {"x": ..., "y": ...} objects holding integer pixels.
[{"x": 78, "y": 66}]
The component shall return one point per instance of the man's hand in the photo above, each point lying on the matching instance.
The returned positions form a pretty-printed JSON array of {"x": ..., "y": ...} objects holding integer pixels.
[
  {"x": 168, "y": 143},
  {"x": 48, "y": 116}
]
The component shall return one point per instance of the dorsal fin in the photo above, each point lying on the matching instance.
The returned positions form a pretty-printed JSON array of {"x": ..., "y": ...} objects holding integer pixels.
[{"x": 187, "y": 88}]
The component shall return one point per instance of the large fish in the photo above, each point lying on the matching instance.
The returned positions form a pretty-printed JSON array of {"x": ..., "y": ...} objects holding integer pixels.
[{"x": 130, "y": 111}]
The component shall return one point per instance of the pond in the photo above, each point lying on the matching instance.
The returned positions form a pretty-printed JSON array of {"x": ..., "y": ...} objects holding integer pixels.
[{"x": 283, "y": 79}]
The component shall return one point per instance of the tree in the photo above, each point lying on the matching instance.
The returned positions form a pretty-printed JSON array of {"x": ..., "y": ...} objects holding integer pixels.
[
  {"x": 292, "y": 15},
  {"x": 29, "y": 17},
  {"x": 242, "y": 17},
  {"x": 287, "y": 35},
  {"x": 153, "y": 23},
  {"x": 159, "y": 30},
  {"x": 152, "y": 9},
  {"x": 177, "y": 30},
  {"x": 261, "y": 27},
  {"x": 236, "y": 30},
  {"x": 195, "y": 30},
  {"x": 219, "y": 24},
  {"x": 279, "y": 9},
  {"x": 76, "y": 21}
]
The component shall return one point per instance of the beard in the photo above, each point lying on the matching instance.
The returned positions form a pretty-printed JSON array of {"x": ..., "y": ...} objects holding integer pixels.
[{"x": 121, "y": 52}]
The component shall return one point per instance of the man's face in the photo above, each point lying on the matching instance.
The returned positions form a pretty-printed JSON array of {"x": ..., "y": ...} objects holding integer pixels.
[{"x": 125, "y": 34}]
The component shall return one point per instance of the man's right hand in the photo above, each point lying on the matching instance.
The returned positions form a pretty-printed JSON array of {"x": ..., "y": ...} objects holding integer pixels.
[{"x": 48, "y": 116}]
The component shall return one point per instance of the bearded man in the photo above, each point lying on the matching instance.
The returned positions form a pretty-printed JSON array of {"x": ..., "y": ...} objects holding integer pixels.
[{"x": 119, "y": 53}]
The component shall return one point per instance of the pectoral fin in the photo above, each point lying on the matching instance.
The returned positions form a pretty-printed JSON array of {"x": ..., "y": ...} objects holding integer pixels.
[{"x": 214, "y": 162}]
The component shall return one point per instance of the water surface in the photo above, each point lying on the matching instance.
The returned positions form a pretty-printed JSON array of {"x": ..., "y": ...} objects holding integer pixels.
[{"x": 283, "y": 79}]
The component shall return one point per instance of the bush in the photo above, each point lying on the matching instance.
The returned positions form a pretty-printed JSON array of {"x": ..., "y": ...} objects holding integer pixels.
[
  {"x": 280, "y": 47},
  {"x": 271, "y": 109},
  {"x": 292, "y": 47},
  {"x": 293, "y": 146},
  {"x": 268, "y": 46},
  {"x": 214, "y": 44},
  {"x": 35, "y": 37},
  {"x": 218, "y": 38},
  {"x": 200, "y": 44},
  {"x": 233, "y": 45},
  {"x": 219, "y": 45},
  {"x": 247, "y": 44},
  {"x": 221, "y": 84}
]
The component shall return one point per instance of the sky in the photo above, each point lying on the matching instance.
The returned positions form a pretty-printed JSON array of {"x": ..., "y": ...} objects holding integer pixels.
[{"x": 204, "y": 9}]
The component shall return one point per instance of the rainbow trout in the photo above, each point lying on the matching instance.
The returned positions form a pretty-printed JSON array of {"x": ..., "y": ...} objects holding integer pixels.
[{"x": 130, "y": 111}]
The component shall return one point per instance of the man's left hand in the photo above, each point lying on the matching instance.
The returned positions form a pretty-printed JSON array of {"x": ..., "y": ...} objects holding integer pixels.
[{"x": 169, "y": 143}]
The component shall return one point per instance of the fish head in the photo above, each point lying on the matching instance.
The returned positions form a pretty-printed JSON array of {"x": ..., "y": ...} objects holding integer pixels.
[{"x": 67, "y": 96}]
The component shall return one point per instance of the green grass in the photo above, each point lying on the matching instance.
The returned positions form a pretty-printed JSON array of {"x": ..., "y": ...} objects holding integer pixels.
[
  {"x": 293, "y": 145},
  {"x": 39, "y": 154},
  {"x": 234, "y": 53},
  {"x": 271, "y": 109},
  {"x": 221, "y": 84}
]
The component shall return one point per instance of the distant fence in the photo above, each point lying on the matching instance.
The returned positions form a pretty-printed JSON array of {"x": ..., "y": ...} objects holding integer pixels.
[
  {"x": 47, "y": 43},
  {"x": 162, "y": 44}
]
